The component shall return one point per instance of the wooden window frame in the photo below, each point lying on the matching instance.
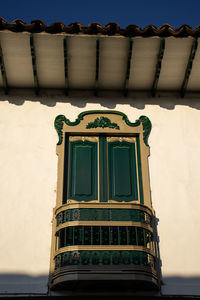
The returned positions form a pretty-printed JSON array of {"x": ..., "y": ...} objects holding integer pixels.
[
  {"x": 122, "y": 127},
  {"x": 102, "y": 125}
]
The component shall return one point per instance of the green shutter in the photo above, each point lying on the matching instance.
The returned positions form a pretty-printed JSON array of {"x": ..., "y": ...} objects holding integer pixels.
[
  {"x": 117, "y": 171},
  {"x": 83, "y": 171},
  {"x": 103, "y": 169},
  {"x": 65, "y": 173},
  {"x": 123, "y": 184}
]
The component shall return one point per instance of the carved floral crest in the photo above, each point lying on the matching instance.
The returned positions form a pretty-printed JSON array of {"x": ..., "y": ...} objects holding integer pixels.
[{"x": 102, "y": 122}]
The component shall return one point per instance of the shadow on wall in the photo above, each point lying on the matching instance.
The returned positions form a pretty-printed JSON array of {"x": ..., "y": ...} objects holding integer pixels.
[
  {"x": 176, "y": 285},
  {"x": 81, "y": 98},
  {"x": 21, "y": 284}
]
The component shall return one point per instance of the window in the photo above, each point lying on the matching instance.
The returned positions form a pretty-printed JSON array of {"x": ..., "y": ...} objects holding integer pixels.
[
  {"x": 102, "y": 168},
  {"x": 103, "y": 216}
]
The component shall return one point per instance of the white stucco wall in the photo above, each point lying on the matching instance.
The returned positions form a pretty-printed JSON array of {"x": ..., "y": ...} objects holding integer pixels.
[{"x": 28, "y": 185}]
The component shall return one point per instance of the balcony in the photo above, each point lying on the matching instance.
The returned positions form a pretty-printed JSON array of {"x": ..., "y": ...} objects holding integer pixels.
[{"x": 105, "y": 243}]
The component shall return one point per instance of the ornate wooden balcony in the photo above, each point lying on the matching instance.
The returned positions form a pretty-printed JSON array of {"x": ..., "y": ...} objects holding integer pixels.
[{"x": 104, "y": 244}]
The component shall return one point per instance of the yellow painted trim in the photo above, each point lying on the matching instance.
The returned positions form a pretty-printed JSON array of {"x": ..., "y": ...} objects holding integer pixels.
[
  {"x": 103, "y": 223},
  {"x": 111, "y": 139},
  {"x": 60, "y": 153},
  {"x": 112, "y": 205},
  {"x": 104, "y": 248},
  {"x": 144, "y": 154},
  {"x": 75, "y": 138}
]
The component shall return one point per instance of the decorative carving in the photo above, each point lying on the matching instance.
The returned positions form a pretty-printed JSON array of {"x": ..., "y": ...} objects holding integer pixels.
[
  {"x": 126, "y": 257},
  {"x": 66, "y": 258},
  {"x": 83, "y": 138},
  {"x": 85, "y": 258},
  {"x": 95, "y": 258},
  {"x": 146, "y": 124},
  {"x": 59, "y": 218},
  {"x": 75, "y": 215},
  {"x": 102, "y": 122},
  {"x": 90, "y": 214},
  {"x": 121, "y": 139},
  {"x": 104, "y": 257},
  {"x": 143, "y": 119},
  {"x": 58, "y": 123},
  {"x": 75, "y": 256}
]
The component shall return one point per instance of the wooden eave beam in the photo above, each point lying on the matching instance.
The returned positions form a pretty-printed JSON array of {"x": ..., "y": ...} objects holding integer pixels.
[
  {"x": 66, "y": 66},
  {"x": 34, "y": 64},
  {"x": 3, "y": 72},
  {"x": 158, "y": 67},
  {"x": 128, "y": 67},
  {"x": 96, "y": 89},
  {"x": 189, "y": 67}
]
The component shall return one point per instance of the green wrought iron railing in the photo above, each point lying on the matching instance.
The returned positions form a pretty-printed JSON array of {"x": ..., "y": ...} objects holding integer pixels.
[
  {"x": 134, "y": 258},
  {"x": 90, "y": 214},
  {"x": 104, "y": 235}
]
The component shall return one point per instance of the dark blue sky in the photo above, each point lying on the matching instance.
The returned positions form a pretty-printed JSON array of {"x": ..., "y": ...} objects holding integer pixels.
[{"x": 124, "y": 12}]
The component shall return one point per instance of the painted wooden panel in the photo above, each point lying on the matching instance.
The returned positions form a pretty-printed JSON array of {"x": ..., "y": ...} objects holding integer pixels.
[
  {"x": 103, "y": 169},
  {"x": 83, "y": 171},
  {"x": 123, "y": 184}
]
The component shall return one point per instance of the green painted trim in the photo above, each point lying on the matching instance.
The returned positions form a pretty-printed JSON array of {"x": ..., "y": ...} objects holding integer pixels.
[
  {"x": 103, "y": 214},
  {"x": 189, "y": 67},
  {"x": 97, "y": 67},
  {"x": 58, "y": 123},
  {"x": 3, "y": 72},
  {"x": 65, "y": 65},
  {"x": 139, "y": 171},
  {"x": 146, "y": 124},
  {"x": 123, "y": 258},
  {"x": 158, "y": 67},
  {"x": 34, "y": 64},
  {"x": 65, "y": 173},
  {"x": 102, "y": 122},
  {"x": 128, "y": 66},
  {"x": 103, "y": 169}
]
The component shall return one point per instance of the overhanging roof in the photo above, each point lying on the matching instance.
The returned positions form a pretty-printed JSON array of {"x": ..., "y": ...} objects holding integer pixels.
[
  {"x": 96, "y": 28},
  {"x": 99, "y": 58}
]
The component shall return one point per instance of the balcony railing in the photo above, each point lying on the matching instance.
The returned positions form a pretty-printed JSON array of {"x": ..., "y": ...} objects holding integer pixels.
[{"x": 116, "y": 241}]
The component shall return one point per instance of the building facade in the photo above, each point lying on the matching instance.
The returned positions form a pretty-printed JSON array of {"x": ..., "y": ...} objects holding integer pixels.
[{"x": 116, "y": 200}]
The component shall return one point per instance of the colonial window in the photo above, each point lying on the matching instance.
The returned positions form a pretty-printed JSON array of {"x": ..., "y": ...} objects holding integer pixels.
[
  {"x": 103, "y": 216},
  {"x": 102, "y": 168}
]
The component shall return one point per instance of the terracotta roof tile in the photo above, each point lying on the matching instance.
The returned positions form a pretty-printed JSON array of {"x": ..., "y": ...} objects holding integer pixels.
[{"x": 96, "y": 28}]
